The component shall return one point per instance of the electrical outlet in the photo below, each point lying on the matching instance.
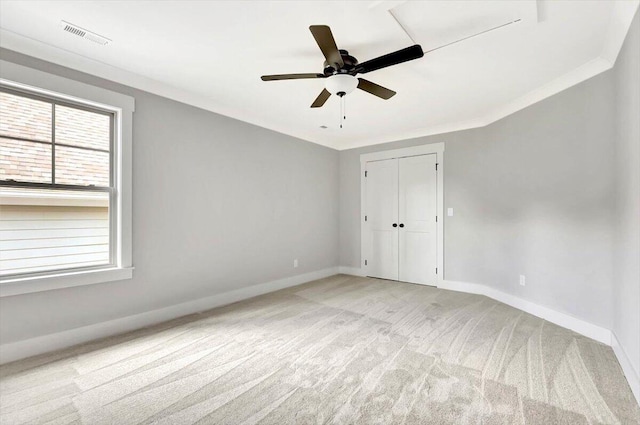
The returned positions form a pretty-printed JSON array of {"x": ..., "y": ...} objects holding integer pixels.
[
  {"x": 522, "y": 280},
  {"x": 295, "y": 263}
]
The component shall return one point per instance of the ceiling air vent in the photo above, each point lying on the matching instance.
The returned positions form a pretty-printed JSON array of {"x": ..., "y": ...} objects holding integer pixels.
[{"x": 86, "y": 34}]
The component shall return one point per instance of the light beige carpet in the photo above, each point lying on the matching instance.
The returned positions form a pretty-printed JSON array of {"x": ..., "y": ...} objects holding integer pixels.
[{"x": 342, "y": 350}]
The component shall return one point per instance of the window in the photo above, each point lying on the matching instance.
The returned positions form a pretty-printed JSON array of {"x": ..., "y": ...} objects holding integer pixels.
[
  {"x": 55, "y": 184},
  {"x": 65, "y": 201}
]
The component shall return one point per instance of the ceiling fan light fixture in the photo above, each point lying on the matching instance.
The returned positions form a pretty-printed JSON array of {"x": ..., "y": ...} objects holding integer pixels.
[{"x": 341, "y": 84}]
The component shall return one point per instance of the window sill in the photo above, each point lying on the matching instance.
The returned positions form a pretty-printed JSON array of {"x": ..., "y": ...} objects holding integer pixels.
[{"x": 27, "y": 285}]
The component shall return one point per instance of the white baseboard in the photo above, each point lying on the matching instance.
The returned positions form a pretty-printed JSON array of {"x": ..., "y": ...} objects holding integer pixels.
[
  {"x": 354, "y": 271},
  {"x": 46, "y": 343},
  {"x": 633, "y": 376},
  {"x": 580, "y": 326}
]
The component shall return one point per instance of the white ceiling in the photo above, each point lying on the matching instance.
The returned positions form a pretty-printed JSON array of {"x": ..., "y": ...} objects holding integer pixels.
[{"x": 211, "y": 54}]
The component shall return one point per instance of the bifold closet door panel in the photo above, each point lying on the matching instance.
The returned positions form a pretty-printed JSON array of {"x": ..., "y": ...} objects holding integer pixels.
[
  {"x": 382, "y": 214},
  {"x": 417, "y": 215}
]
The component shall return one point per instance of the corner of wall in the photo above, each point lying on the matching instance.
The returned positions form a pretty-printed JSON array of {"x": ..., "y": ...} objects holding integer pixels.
[{"x": 632, "y": 375}]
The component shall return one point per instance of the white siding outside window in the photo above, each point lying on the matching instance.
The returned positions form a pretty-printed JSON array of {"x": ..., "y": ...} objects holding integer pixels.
[{"x": 39, "y": 234}]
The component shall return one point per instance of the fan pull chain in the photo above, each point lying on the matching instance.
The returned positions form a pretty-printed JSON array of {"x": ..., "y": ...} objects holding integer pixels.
[{"x": 343, "y": 109}]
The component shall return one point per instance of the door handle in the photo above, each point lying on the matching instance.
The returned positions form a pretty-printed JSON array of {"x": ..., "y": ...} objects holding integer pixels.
[
  {"x": 395, "y": 224},
  {"x": 401, "y": 225}
]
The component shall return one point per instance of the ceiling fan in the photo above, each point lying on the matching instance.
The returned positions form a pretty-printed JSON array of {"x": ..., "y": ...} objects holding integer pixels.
[{"x": 340, "y": 68}]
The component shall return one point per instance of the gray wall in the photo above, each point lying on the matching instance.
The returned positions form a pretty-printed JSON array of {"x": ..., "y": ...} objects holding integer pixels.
[
  {"x": 532, "y": 194},
  {"x": 626, "y": 291},
  {"x": 218, "y": 205}
]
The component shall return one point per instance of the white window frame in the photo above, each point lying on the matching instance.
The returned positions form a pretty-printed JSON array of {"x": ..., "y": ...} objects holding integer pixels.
[{"x": 48, "y": 85}]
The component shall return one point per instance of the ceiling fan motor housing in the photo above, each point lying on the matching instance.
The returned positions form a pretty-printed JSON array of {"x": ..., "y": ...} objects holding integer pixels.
[{"x": 349, "y": 64}]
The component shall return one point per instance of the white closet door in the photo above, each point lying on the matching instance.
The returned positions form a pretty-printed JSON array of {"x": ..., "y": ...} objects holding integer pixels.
[
  {"x": 417, "y": 219},
  {"x": 382, "y": 213}
]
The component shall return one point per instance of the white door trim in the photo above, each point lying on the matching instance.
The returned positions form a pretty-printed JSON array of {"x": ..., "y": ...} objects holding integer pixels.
[{"x": 433, "y": 148}]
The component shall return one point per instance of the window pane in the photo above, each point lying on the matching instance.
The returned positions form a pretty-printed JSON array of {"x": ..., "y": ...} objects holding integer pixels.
[
  {"x": 50, "y": 230},
  {"x": 25, "y": 161},
  {"x": 81, "y": 167},
  {"x": 24, "y": 117},
  {"x": 82, "y": 128}
]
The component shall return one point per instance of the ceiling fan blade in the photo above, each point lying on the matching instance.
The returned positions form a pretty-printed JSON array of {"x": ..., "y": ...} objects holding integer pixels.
[
  {"x": 290, "y": 77},
  {"x": 327, "y": 44},
  {"x": 375, "y": 89},
  {"x": 321, "y": 99},
  {"x": 403, "y": 55}
]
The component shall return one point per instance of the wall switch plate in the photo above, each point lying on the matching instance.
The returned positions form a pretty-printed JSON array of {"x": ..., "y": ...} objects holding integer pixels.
[
  {"x": 450, "y": 212},
  {"x": 522, "y": 280},
  {"x": 295, "y": 263}
]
